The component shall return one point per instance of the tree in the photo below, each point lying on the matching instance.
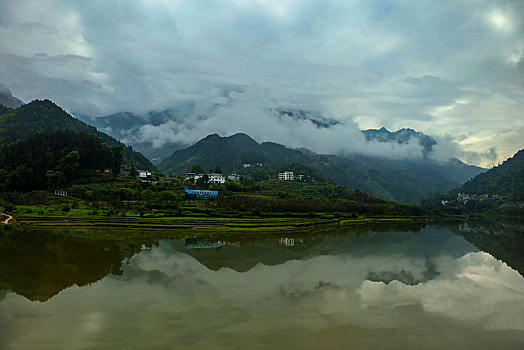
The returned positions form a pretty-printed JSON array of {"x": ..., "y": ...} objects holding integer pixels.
[
  {"x": 197, "y": 169},
  {"x": 218, "y": 170}
]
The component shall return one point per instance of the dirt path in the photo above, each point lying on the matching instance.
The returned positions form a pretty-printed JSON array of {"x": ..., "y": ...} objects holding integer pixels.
[{"x": 7, "y": 218}]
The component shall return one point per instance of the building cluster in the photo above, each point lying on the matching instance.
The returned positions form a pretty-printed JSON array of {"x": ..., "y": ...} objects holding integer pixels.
[
  {"x": 144, "y": 176},
  {"x": 464, "y": 197},
  {"x": 213, "y": 178},
  {"x": 289, "y": 176}
]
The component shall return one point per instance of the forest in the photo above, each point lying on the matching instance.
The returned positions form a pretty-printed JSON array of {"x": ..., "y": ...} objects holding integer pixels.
[{"x": 50, "y": 160}]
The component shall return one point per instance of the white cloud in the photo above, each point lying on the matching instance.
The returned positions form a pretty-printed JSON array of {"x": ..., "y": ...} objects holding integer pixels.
[{"x": 385, "y": 63}]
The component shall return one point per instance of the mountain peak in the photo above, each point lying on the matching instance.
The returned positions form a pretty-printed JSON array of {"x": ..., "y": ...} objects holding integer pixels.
[{"x": 7, "y": 99}]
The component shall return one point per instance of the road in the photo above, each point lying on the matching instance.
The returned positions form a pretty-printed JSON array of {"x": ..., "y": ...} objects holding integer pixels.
[{"x": 6, "y": 220}]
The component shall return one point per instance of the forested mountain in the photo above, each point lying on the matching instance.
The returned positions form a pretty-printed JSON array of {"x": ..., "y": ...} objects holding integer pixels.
[
  {"x": 44, "y": 116},
  {"x": 505, "y": 179},
  {"x": 54, "y": 160},
  {"x": 400, "y": 180}
]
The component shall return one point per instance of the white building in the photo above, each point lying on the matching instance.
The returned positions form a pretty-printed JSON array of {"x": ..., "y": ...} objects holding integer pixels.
[
  {"x": 215, "y": 178},
  {"x": 143, "y": 174},
  {"x": 463, "y": 197},
  {"x": 233, "y": 177},
  {"x": 286, "y": 176}
]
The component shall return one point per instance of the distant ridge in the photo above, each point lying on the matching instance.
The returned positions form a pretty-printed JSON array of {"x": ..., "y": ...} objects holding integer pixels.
[{"x": 401, "y": 180}]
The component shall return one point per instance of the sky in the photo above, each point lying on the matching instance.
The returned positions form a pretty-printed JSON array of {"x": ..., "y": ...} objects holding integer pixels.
[{"x": 451, "y": 69}]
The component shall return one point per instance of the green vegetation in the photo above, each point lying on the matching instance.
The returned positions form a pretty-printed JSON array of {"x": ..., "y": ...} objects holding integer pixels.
[
  {"x": 399, "y": 180},
  {"x": 54, "y": 160},
  {"x": 244, "y": 204},
  {"x": 44, "y": 116},
  {"x": 500, "y": 190}
]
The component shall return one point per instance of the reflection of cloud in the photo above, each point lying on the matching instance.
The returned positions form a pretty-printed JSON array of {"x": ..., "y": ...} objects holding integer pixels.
[{"x": 168, "y": 293}]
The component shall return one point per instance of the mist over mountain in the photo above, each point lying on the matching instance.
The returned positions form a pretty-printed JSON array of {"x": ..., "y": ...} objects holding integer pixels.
[
  {"x": 158, "y": 134},
  {"x": 7, "y": 99},
  {"x": 402, "y": 180}
]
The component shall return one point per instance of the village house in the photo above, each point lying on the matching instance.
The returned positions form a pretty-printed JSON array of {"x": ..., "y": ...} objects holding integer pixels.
[
  {"x": 215, "y": 178},
  {"x": 146, "y": 177},
  {"x": 286, "y": 176},
  {"x": 289, "y": 176}
]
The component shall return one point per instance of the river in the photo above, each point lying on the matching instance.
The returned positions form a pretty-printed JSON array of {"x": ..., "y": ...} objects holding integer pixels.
[{"x": 427, "y": 287}]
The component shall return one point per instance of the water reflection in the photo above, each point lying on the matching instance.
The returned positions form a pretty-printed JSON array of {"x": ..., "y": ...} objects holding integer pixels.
[
  {"x": 38, "y": 265},
  {"x": 427, "y": 289},
  {"x": 502, "y": 239}
]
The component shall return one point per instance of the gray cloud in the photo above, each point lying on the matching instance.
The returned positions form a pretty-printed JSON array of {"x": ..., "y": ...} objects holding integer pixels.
[{"x": 441, "y": 68}]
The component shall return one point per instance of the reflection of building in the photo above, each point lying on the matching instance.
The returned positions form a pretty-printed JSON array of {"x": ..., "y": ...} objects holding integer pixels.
[
  {"x": 202, "y": 243},
  {"x": 288, "y": 242}
]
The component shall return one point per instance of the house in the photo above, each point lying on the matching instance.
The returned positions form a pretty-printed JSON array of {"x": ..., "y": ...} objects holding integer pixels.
[
  {"x": 124, "y": 171},
  {"x": 146, "y": 176},
  {"x": 463, "y": 197},
  {"x": 62, "y": 193},
  {"x": 193, "y": 177},
  {"x": 215, "y": 178},
  {"x": 286, "y": 176},
  {"x": 235, "y": 177}
]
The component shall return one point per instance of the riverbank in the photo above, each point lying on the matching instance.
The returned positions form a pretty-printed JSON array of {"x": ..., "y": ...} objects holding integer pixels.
[{"x": 254, "y": 224}]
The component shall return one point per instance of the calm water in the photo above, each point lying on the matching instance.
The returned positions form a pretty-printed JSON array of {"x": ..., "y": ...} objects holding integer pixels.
[{"x": 438, "y": 288}]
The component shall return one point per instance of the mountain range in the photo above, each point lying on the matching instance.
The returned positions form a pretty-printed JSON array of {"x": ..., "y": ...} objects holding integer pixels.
[
  {"x": 401, "y": 180},
  {"x": 127, "y": 127}
]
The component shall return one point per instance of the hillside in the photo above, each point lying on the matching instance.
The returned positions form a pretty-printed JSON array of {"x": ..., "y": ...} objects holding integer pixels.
[
  {"x": 45, "y": 116},
  {"x": 505, "y": 179},
  {"x": 400, "y": 180},
  {"x": 54, "y": 160}
]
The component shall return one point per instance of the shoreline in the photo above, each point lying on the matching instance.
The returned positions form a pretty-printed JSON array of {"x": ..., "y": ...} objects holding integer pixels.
[{"x": 212, "y": 223}]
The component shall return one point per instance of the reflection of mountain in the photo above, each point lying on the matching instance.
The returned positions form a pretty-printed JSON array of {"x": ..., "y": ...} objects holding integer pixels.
[
  {"x": 503, "y": 240},
  {"x": 38, "y": 265},
  {"x": 242, "y": 256}
]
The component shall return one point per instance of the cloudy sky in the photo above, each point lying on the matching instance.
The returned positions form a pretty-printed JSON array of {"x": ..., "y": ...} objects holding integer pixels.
[{"x": 451, "y": 69}]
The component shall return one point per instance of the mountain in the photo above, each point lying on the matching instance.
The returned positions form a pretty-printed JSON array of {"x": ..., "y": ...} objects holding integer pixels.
[
  {"x": 505, "y": 179},
  {"x": 401, "y": 180},
  {"x": 45, "y": 116},
  {"x": 401, "y": 136},
  {"x": 135, "y": 130},
  {"x": 7, "y": 99}
]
